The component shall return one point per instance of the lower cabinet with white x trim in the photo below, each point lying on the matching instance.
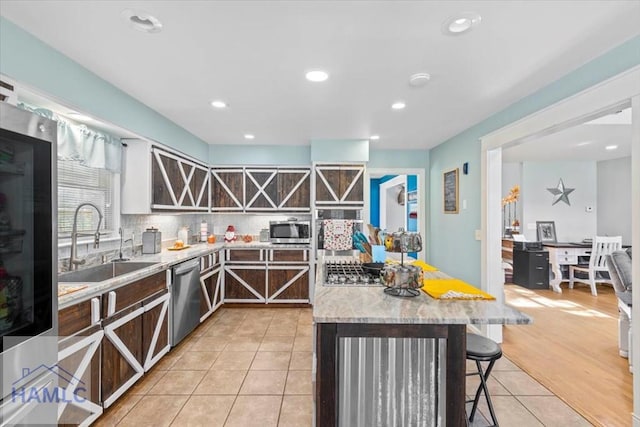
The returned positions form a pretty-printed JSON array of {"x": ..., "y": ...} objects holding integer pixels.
[
  {"x": 211, "y": 284},
  {"x": 109, "y": 342},
  {"x": 80, "y": 337},
  {"x": 266, "y": 275},
  {"x": 136, "y": 333}
]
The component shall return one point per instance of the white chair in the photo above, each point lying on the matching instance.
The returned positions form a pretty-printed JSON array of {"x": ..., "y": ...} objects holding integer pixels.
[{"x": 597, "y": 270}]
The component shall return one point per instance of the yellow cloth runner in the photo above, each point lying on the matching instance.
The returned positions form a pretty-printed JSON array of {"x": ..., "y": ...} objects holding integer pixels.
[
  {"x": 453, "y": 289},
  {"x": 424, "y": 265}
]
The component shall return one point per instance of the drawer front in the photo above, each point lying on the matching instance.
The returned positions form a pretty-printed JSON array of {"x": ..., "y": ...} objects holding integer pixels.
[
  {"x": 507, "y": 243},
  {"x": 74, "y": 319},
  {"x": 567, "y": 259},
  {"x": 539, "y": 259},
  {"x": 539, "y": 276},
  {"x": 245, "y": 255},
  {"x": 135, "y": 292},
  {"x": 508, "y": 255},
  {"x": 289, "y": 255}
]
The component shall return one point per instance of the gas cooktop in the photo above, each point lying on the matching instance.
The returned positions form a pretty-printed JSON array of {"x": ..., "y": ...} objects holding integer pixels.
[{"x": 348, "y": 272}]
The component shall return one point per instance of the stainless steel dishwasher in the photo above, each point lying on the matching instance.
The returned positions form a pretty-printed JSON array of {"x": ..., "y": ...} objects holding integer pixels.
[{"x": 185, "y": 299}]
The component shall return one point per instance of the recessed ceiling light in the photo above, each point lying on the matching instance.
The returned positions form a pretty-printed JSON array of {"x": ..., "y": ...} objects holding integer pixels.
[
  {"x": 398, "y": 105},
  {"x": 419, "y": 79},
  {"x": 461, "y": 23},
  {"x": 611, "y": 147},
  {"x": 374, "y": 137},
  {"x": 317, "y": 76},
  {"x": 582, "y": 144},
  {"x": 142, "y": 21},
  {"x": 218, "y": 104},
  {"x": 249, "y": 136}
]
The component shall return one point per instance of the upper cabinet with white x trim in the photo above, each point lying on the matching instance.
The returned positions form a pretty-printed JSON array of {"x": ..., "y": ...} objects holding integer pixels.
[
  {"x": 155, "y": 179},
  {"x": 178, "y": 183},
  {"x": 260, "y": 189},
  {"x": 339, "y": 184}
]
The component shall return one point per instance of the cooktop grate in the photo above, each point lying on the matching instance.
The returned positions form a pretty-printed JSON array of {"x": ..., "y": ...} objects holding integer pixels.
[{"x": 348, "y": 273}]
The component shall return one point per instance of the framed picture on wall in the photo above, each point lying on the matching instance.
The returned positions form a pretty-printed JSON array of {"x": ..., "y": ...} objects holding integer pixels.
[
  {"x": 450, "y": 191},
  {"x": 546, "y": 231}
]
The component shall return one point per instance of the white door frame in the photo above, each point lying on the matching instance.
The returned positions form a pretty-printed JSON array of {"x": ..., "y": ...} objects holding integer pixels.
[
  {"x": 618, "y": 91},
  {"x": 398, "y": 180}
]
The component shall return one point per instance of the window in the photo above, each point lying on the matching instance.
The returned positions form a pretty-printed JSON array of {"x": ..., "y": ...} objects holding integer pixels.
[{"x": 78, "y": 184}]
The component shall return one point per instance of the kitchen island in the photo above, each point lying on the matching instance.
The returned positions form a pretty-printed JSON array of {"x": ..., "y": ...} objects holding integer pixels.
[{"x": 386, "y": 360}]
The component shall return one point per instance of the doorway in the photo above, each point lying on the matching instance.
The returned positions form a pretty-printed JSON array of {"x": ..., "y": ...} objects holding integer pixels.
[
  {"x": 395, "y": 198},
  {"x": 614, "y": 94}
]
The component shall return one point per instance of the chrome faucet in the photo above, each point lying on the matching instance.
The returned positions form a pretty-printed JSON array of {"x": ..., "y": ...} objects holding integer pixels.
[
  {"x": 73, "y": 258},
  {"x": 120, "y": 257}
]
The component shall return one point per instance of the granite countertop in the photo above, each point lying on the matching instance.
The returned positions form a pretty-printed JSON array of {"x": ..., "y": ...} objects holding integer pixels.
[
  {"x": 164, "y": 260},
  {"x": 369, "y": 304}
]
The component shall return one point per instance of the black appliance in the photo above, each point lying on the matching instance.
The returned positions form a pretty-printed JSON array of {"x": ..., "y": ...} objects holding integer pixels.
[
  {"x": 28, "y": 257},
  {"x": 290, "y": 231}
]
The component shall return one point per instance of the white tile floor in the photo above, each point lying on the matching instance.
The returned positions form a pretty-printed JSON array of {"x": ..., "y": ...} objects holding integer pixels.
[{"x": 252, "y": 367}]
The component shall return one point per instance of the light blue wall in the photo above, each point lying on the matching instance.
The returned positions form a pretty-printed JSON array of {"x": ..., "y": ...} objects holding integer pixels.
[
  {"x": 29, "y": 61},
  {"x": 288, "y": 155},
  {"x": 340, "y": 150},
  {"x": 398, "y": 159},
  {"x": 452, "y": 245}
]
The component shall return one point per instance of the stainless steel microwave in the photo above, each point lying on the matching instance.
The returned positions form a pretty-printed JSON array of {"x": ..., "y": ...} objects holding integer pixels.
[{"x": 290, "y": 231}]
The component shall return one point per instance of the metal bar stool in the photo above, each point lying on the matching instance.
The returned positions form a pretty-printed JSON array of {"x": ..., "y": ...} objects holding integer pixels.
[{"x": 482, "y": 349}]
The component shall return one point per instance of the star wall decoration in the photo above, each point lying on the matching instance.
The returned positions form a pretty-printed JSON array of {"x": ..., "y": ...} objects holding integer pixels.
[{"x": 561, "y": 193}]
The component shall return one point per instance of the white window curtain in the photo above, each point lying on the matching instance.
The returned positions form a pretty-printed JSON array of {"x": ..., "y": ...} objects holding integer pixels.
[{"x": 87, "y": 146}]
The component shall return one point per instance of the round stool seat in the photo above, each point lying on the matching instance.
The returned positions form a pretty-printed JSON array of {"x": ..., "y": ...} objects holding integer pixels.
[{"x": 479, "y": 347}]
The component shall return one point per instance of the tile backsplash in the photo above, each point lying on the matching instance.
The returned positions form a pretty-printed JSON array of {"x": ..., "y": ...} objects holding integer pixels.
[{"x": 169, "y": 225}]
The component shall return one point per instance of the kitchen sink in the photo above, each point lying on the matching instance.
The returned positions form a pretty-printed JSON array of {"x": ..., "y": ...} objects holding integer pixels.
[{"x": 103, "y": 272}]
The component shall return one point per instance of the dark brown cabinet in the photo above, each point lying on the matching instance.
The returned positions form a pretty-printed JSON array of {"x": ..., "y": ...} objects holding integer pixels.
[
  {"x": 157, "y": 179},
  {"x": 211, "y": 284},
  {"x": 288, "y": 276},
  {"x": 531, "y": 269},
  {"x": 287, "y": 283},
  {"x": 80, "y": 338},
  {"x": 178, "y": 183},
  {"x": 227, "y": 189},
  {"x": 339, "y": 184},
  {"x": 155, "y": 328},
  {"x": 294, "y": 189},
  {"x": 245, "y": 283},
  {"x": 267, "y": 276},
  {"x": 261, "y": 189},
  {"x": 136, "y": 333},
  {"x": 121, "y": 353},
  {"x": 245, "y": 276}
]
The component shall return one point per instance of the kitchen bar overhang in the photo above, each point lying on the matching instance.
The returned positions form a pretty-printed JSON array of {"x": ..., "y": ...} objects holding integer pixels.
[{"x": 385, "y": 359}]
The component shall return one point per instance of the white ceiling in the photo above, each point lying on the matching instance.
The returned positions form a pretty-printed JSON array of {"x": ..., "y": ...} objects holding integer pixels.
[
  {"x": 253, "y": 54},
  {"x": 582, "y": 142}
]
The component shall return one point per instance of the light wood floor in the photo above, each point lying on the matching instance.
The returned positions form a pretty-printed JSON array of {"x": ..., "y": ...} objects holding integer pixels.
[{"x": 572, "y": 349}]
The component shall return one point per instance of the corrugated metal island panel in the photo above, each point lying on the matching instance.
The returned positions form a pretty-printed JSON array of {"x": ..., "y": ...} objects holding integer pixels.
[{"x": 391, "y": 382}]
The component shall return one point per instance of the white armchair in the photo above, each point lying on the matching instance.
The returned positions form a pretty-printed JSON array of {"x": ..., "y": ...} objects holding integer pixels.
[{"x": 596, "y": 271}]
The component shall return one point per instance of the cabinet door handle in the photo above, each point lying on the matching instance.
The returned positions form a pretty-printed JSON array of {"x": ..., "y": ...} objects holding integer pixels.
[
  {"x": 111, "y": 306},
  {"x": 95, "y": 311}
]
